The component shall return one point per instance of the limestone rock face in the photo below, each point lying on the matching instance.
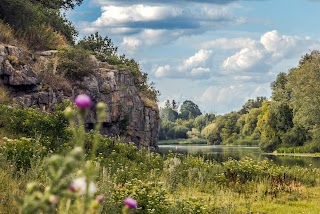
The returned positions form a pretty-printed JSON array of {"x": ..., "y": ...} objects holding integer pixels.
[{"x": 127, "y": 113}]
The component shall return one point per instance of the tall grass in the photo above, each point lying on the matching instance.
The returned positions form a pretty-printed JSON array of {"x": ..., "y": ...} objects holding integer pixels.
[
  {"x": 4, "y": 97},
  {"x": 42, "y": 37},
  {"x": 6, "y": 33}
]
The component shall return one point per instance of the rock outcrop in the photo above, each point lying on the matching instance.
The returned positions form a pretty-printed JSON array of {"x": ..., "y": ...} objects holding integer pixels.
[{"x": 129, "y": 114}]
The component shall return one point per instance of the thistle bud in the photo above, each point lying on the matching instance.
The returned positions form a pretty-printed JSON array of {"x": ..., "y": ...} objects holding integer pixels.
[
  {"x": 68, "y": 112},
  {"x": 101, "y": 106}
]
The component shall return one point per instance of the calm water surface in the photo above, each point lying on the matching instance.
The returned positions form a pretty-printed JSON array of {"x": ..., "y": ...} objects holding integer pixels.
[{"x": 223, "y": 153}]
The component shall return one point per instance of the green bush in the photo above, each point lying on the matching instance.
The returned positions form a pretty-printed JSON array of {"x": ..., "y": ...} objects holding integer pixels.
[
  {"x": 33, "y": 20},
  {"x": 151, "y": 196},
  {"x": 190, "y": 205},
  {"x": 49, "y": 129},
  {"x": 22, "y": 152},
  {"x": 74, "y": 64}
]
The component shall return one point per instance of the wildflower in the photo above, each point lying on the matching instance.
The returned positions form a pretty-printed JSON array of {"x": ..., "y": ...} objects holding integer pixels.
[
  {"x": 53, "y": 199},
  {"x": 72, "y": 189},
  {"x": 80, "y": 185},
  {"x": 130, "y": 203},
  {"x": 100, "y": 198},
  {"x": 83, "y": 101}
]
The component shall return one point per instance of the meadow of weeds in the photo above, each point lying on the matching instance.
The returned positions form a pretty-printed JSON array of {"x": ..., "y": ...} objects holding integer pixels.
[{"x": 89, "y": 173}]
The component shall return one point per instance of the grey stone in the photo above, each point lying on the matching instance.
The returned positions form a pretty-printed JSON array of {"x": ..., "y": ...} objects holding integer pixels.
[
  {"x": 14, "y": 51},
  {"x": 7, "y": 68},
  {"x": 2, "y": 50},
  {"x": 47, "y": 53}
]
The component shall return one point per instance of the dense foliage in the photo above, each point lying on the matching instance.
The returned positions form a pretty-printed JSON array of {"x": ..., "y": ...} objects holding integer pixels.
[
  {"x": 289, "y": 122},
  {"x": 48, "y": 129},
  {"x": 293, "y": 115},
  {"x": 41, "y": 24},
  {"x": 189, "y": 123}
]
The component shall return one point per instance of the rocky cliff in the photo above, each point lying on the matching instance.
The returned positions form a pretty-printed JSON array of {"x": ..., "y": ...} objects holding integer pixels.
[{"x": 129, "y": 114}]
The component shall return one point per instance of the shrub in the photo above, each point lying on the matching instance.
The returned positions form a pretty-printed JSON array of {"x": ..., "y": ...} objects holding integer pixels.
[
  {"x": 22, "y": 152},
  {"x": 49, "y": 129},
  {"x": 190, "y": 205},
  {"x": 34, "y": 21},
  {"x": 74, "y": 64},
  {"x": 56, "y": 82},
  {"x": 151, "y": 196}
]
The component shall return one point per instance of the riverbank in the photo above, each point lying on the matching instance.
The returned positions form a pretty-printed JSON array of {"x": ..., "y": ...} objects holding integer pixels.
[
  {"x": 190, "y": 141},
  {"x": 294, "y": 154}
]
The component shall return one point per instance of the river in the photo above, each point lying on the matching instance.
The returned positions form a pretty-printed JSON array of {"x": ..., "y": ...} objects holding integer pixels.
[{"x": 222, "y": 153}]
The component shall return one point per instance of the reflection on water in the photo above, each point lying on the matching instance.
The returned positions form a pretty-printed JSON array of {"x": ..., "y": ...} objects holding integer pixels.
[{"x": 223, "y": 153}]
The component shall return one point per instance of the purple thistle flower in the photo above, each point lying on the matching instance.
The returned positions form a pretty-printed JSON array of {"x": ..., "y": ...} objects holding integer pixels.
[
  {"x": 83, "y": 101},
  {"x": 100, "y": 198},
  {"x": 72, "y": 189},
  {"x": 131, "y": 203}
]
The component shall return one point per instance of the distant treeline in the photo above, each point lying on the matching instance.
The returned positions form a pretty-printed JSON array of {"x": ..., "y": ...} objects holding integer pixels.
[{"x": 288, "y": 122}]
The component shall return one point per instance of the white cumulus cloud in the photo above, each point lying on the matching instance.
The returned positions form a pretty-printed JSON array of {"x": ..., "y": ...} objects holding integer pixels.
[
  {"x": 162, "y": 71},
  {"x": 199, "y": 71},
  {"x": 199, "y": 59},
  {"x": 263, "y": 54},
  {"x": 233, "y": 43},
  {"x": 228, "y": 98},
  {"x": 130, "y": 43}
]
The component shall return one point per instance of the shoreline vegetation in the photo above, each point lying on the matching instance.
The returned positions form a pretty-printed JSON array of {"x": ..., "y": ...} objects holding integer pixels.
[
  {"x": 202, "y": 141},
  {"x": 192, "y": 141},
  {"x": 294, "y": 154}
]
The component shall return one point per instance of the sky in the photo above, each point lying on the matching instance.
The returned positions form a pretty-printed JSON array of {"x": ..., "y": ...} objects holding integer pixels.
[{"x": 217, "y": 53}]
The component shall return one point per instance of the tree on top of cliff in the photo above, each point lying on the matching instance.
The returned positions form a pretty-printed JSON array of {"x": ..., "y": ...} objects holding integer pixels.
[
  {"x": 41, "y": 23},
  {"x": 58, "y": 4},
  {"x": 102, "y": 47}
]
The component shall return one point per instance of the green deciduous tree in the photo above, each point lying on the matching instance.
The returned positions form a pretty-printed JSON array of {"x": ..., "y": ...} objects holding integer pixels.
[
  {"x": 252, "y": 103},
  {"x": 280, "y": 90},
  {"x": 189, "y": 110},
  {"x": 58, "y": 4},
  {"x": 102, "y": 47},
  {"x": 26, "y": 16},
  {"x": 212, "y": 133},
  {"x": 168, "y": 114},
  {"x": 266, "y": 126},
  {"x": 305, "y": 100}
]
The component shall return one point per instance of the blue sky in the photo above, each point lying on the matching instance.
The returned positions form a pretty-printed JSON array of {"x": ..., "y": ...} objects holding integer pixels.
[{"x": 217, "y": 53}]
